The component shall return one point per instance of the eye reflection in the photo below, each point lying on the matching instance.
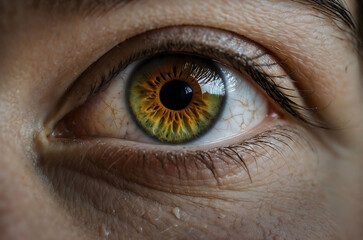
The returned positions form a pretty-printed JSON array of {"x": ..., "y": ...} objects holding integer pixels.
[{"x": 176, "y": 98}]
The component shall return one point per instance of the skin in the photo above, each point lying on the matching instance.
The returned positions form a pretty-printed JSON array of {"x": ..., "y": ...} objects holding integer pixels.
[{"x": 311, "y": 191}]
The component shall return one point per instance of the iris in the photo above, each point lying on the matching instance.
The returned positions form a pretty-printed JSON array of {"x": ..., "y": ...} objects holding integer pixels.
[{"x": 175, "y": 98}]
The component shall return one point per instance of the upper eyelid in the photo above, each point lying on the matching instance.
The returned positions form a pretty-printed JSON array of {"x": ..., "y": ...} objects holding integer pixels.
[{"x": 242, "y": 63}]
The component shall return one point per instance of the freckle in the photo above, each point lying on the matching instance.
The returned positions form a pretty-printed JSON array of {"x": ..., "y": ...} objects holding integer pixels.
[
  {"x": 176, "y": 212},
  {"x": 105, "y": 231}
]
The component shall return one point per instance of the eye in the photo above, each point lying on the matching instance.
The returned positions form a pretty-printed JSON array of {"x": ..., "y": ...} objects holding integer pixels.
[
  {"x": 175, "y": 104},
  {"x": 170, "y": 98},
  {"x": 176, "y": 98}
]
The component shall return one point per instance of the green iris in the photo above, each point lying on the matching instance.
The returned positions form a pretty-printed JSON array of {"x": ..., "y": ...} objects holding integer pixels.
[{"x": 176, "y": 98}]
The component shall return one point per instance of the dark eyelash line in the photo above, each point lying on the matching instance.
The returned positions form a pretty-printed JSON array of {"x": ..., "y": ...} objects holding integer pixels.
[{"x": 241, "y": 63}]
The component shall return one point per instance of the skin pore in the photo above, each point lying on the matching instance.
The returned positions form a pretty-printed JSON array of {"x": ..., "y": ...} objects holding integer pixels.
[{"x": 306, "y": 185}]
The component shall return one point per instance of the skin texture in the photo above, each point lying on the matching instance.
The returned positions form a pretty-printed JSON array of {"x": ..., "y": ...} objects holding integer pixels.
[{"x": 309, "y": 190}]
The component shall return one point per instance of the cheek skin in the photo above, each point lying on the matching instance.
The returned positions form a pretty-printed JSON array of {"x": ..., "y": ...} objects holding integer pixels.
[
  {"x": 27, "y": 209},
  {"x": 283, "y": 200}
]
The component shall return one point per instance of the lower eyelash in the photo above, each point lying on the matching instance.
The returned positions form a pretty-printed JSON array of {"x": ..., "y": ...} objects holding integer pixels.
[
  {"x": 259, "y": 146},
  {"x": 162, "y": 169}
]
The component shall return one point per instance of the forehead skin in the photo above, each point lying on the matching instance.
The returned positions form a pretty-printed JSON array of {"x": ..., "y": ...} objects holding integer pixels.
[{"x": 39, "y": 52}]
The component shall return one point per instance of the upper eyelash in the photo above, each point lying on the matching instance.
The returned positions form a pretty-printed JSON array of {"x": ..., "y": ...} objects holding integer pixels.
[{"x": 241, "y": 63}]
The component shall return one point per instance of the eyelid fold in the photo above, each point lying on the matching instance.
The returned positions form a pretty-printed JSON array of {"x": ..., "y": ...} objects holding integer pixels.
[{"x": 229, "y": 48}]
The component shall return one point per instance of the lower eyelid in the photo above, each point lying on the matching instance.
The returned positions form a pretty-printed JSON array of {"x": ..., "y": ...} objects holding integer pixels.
[{"x": 170, "y": 171}]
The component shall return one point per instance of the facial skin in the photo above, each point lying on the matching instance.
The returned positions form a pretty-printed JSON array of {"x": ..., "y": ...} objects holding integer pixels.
[{"x": 310, "y": 188}]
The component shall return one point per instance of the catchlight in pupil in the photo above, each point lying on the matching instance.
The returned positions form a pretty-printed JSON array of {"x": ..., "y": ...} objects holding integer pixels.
[
  {"x": 176, "y": 98},
  {"x": 176, "y": 95}
]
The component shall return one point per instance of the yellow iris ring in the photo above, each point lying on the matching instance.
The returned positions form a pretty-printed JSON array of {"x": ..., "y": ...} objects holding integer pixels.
[{"x": 176, "y": 126}]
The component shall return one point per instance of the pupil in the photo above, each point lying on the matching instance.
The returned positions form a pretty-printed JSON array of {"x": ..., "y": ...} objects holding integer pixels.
[{"x": 176, "y": 95}]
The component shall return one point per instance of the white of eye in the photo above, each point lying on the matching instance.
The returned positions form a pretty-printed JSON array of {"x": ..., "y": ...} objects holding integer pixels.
[{"x": 245, "y": 108}]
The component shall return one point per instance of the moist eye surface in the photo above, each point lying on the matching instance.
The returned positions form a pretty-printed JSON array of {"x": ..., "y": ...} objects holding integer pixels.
[{"x": 175, "y": 98}]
